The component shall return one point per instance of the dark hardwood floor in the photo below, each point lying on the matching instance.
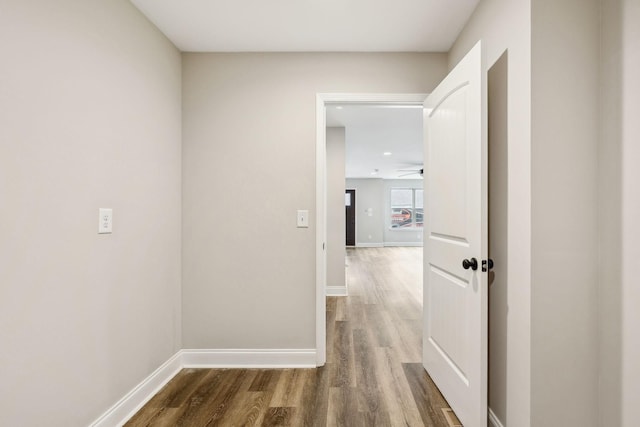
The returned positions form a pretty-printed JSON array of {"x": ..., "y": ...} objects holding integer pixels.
[{"x": 373, "y": 375}]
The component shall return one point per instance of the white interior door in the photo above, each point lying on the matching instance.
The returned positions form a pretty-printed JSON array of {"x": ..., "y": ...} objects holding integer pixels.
[{"x": 455, "y": 298}]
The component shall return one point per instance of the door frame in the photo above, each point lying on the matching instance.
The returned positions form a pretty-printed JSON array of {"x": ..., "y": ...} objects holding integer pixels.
[{"x": 322, "y": 100}]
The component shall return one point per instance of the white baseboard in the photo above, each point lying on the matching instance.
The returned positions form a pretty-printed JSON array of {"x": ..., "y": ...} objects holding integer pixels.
[
  {"x": 409, "y": 244},
  {"x": 244, "y": 358},
  {"x": 493, "y": 420},
  {"x": 337, "y": 291},
  {"x": 369, "y": 245},
  {"x": 126, "y": 407}
]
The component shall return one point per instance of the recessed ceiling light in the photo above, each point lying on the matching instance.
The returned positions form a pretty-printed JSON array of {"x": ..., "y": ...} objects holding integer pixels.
[
  {"x": 387, "y": 153},
  {"x": 339, "y": 107}
]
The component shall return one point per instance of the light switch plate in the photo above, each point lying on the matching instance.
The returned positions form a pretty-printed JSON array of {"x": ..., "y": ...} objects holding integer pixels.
[
  {"x": 105, "y": 221},
  {"x": 303, "y": 219}
]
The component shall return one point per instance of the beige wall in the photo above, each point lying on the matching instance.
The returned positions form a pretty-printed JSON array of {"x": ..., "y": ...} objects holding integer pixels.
[
  {"x": 564, "y": 117},
  {"x": 249, "y": 163},
  {"x": 497, "y": 80},
  {"x": 336, "y": 222},
  {"x": 370, "y": 210},
  {"x": 89, "y": 118},
  {"x": 619, "y": 155},
  {"x": 611, "y": 228},
  {"x": 560, "y": 188},
  {"x": 552, "y": 132},
  {"x": 506, "y": 25}
]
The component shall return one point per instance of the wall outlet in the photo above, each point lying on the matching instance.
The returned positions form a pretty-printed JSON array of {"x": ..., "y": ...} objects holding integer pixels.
[{"x": 105, "y": 221}]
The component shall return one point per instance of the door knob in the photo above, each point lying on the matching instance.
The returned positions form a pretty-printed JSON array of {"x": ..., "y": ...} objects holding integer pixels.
[{"x": 470, "y": 263}]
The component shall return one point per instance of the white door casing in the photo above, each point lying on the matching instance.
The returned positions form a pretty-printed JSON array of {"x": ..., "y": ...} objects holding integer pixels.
[{"x": 456, "y": 299}]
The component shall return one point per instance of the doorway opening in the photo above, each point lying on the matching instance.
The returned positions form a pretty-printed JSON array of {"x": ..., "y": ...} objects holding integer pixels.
[
  {"x": 350, "y": 216},
  {"x": 455, "y": 342},
  {"x": 323, "y": 101},
  {"x": 374, "y": 332}
]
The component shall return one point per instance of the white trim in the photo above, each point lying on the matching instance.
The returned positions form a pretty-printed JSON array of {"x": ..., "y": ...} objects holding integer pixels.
[
  {"x": 373, "y": 98},
  {"x": 494, "y": 420},
  {"x": 131, "y": 403},
  {"x": 369, "y": 245},
  {"x": 321, "y": 232},
  {"x": 412, "y": 244},
  {"x": 337, "y": 291},
  {"x": 321, "y": 175},
  {"x": 248, "y": 358}
]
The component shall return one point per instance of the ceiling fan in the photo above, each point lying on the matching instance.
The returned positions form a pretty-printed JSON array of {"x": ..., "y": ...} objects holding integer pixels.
[{"x": 412, "y": 171}]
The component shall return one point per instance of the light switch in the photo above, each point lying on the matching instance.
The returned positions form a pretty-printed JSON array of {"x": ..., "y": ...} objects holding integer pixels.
[
  {"x": 105, "y": 221},
  {"x": 303, "y": 219}
]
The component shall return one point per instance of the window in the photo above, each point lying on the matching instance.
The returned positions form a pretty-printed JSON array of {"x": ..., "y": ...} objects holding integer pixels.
[{"x": 407, "y": 208}]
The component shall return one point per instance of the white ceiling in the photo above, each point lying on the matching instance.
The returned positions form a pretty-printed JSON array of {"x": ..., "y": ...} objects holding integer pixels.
[
  {"x": 309, "y": 25},
  {"x": 373, "y": 130},
  {"x": 328, "y": 26}
]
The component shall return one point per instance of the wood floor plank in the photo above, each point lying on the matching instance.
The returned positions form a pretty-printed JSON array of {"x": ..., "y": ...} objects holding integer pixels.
[
  {"x": 288, "y": 392},
  {"x": 343, "y": 356},
  {"x": 265, "y": 379},
  {"x": 199, "y": 391},
  {"x": 182, "y": 390},
  {"x": 378, "y": 418},
  {"x": 163, "y": 418},
  {"x": 377, "y": 325},
  {"x": 343, "y": 408},
  {"x": 331, "y": 330},
  {"x": 373, "y": 375},
  {"x": 356, "y": 315},
  {"x": 243, "y": 407},
  {"x": 206, "y": 409},
  {"x": 331, "y": 304},
  {"x": 279, "y": 416},
  {"x": 172, "y": 395},
  {"x": 219, "y": 405},
  {"x": 246, "y": 409},
  {"x": 369, "y": 397},
  {"x": 148, "y": 417},
  {"x": 397, "y": 393},
  {"x": 429, "y": 404},
  {"x": 315, "y": 398},
  {"x": 340, "y": 309}
]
